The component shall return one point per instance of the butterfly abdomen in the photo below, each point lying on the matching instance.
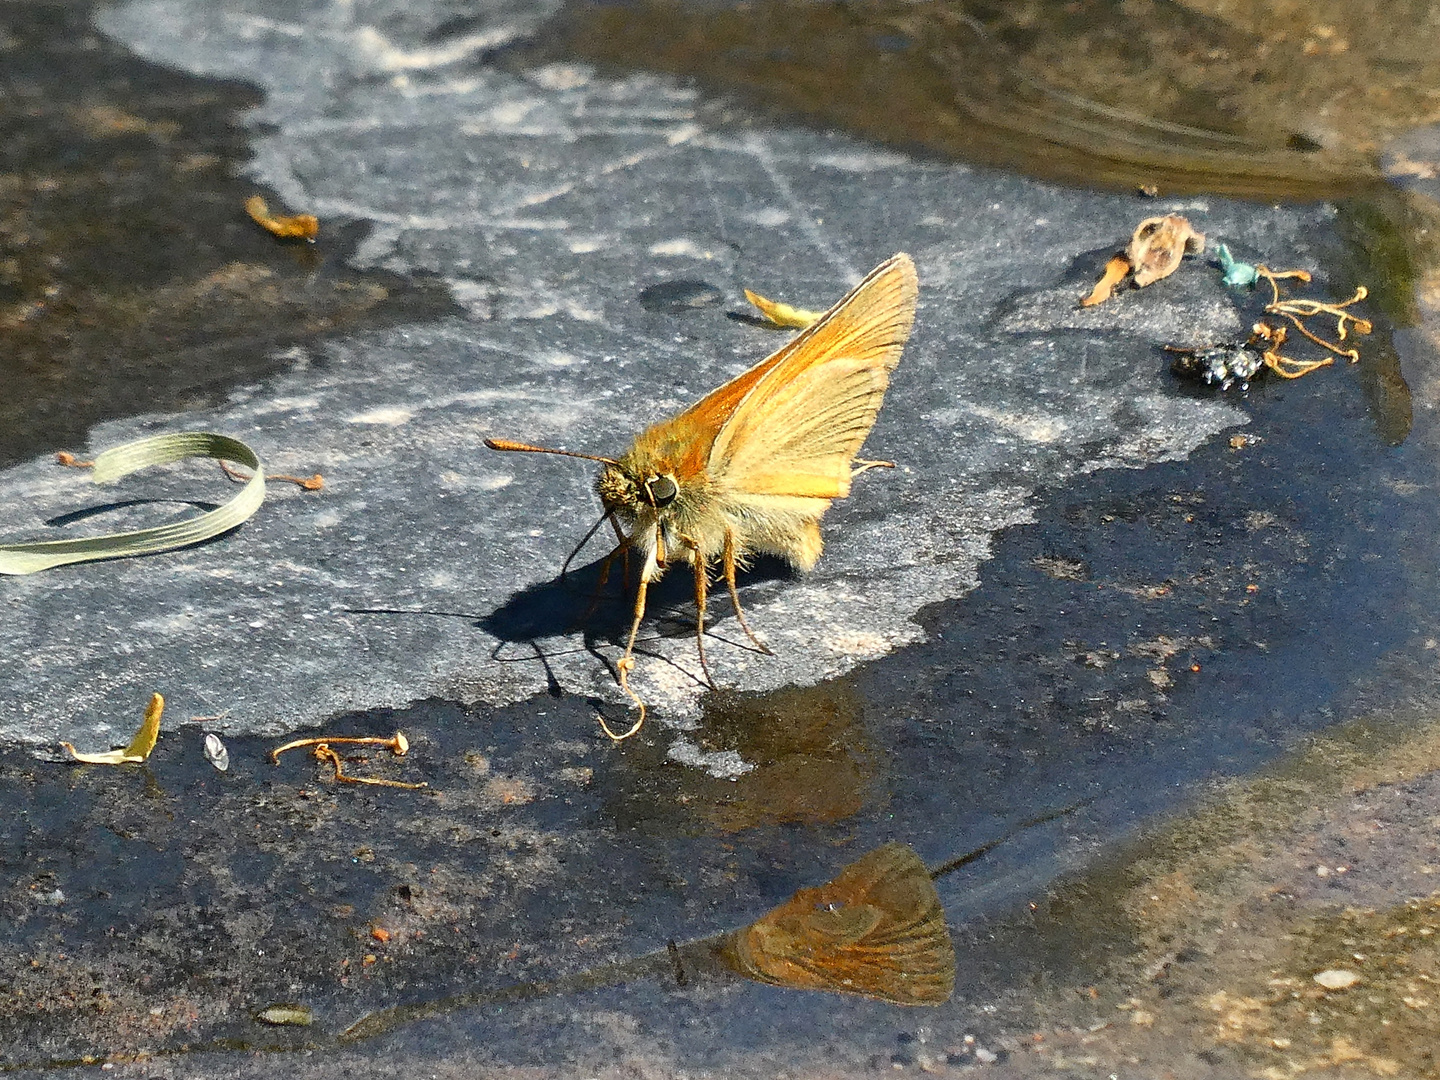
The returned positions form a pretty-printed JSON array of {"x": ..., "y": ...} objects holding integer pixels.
[{"x": 776, "y": 525}]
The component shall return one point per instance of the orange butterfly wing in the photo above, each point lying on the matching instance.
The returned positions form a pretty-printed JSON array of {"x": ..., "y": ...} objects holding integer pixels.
[
  {"x": 892, "y": 284},
  {"x": 792, "y": 425}
]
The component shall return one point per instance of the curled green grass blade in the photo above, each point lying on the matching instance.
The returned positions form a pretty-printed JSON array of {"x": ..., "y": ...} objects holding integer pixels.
[{"x": 124, "y": 460}]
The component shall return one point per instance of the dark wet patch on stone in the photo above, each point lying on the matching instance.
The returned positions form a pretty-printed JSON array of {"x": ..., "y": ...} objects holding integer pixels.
[
  {"x": 1189, "y": 97},
  {"x": 678, "y": 297},
  {"x": 130, "y": 277},
  {"x": 1202, "y": 941}
]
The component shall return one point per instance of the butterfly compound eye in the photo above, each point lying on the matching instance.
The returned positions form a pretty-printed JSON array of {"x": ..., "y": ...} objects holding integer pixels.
[{"x": 662, "y": 490}]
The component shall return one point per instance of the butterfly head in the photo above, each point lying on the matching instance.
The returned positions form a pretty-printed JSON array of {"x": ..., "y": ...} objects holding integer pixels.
[{"x": 633, "y": 493}]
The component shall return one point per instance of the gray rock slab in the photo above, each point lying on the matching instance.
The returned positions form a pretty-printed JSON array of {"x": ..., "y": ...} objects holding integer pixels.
[
  {"x": 549, "y": 200},
  {"x": 1175, "y": 609}
]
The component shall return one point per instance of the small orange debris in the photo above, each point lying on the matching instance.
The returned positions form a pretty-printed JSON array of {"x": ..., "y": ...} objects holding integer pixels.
[
  {"x": 380, "y": 934},
  {"x": 1115, "y": 271},
  {"x": 306, "y": 483},
  {"x": 284, "y": 226}
]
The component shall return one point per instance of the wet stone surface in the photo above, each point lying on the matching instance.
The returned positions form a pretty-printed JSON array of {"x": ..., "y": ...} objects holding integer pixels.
[
  {"x": 1254, "y": 98},
  {"x": 1088, "y": 590},
  {"x": 426, "y": 544}
]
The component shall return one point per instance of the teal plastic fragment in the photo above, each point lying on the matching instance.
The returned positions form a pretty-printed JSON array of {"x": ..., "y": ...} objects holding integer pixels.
[{"x": 1237, "y": 274}]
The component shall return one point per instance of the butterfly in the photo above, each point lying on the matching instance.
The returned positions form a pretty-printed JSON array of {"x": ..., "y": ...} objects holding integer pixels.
[{"x": 751, "y": 467}]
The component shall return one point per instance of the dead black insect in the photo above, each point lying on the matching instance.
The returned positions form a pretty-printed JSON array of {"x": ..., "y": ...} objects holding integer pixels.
[{"x": 1218, "y": 365}]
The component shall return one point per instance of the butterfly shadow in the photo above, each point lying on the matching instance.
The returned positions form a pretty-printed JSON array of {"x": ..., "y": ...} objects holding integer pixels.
[{"x": 601, "y": 611}]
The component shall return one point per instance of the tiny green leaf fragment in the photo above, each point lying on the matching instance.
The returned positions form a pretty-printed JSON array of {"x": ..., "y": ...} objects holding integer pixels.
[
  {"x": 140, "y": 746},
  {"x": 286, "y": 1016}
]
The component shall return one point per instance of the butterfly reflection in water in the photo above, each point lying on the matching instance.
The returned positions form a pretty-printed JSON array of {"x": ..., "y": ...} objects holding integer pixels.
[{"x": 877, "y": 929}]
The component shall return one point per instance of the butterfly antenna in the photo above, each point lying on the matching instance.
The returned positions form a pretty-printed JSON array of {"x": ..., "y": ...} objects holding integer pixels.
[
  {"x": 526, "y": 448},
  {"x": 565, "y": 566}
]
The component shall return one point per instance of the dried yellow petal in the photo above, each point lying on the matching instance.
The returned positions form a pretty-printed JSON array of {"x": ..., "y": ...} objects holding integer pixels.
[
  {"x": 1115, "y": 271},
  {"x": 783, "y": 314},
  {"x": 140, "y": 746}
]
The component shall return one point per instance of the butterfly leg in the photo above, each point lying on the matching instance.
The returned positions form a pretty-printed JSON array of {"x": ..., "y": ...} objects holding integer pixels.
[
  {"x": 626, "y": 664},
  {"x": 621, "y": 549},
  {"x": 729, "y": 562},
  {"x": 702, "y": 589}
]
